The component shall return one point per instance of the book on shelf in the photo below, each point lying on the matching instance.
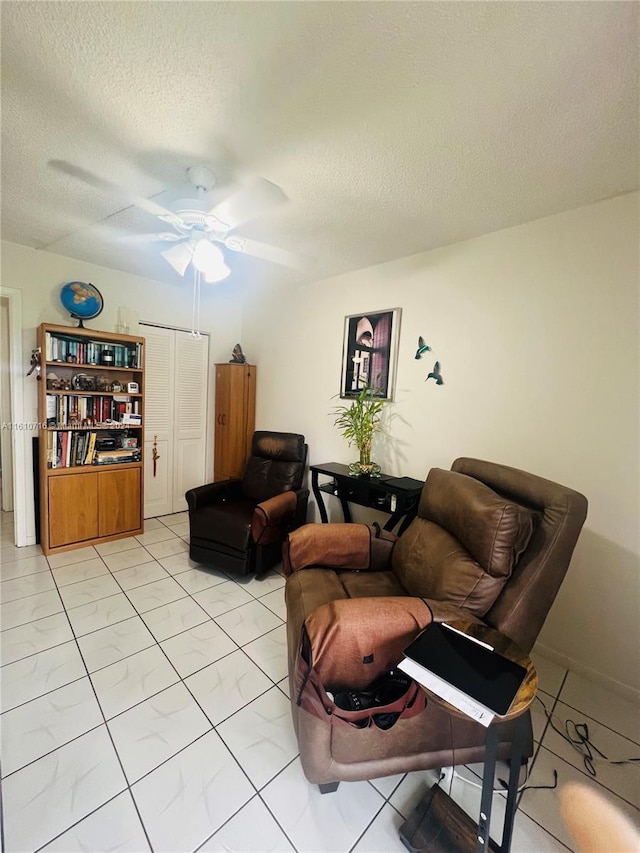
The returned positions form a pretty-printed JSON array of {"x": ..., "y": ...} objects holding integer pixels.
[{"x": 81, "y": 351}]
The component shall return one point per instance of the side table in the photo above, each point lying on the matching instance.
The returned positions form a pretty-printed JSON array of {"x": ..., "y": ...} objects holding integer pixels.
[
  {"x": 438, "y": 824},
  {"x": 397, "y": 496}
]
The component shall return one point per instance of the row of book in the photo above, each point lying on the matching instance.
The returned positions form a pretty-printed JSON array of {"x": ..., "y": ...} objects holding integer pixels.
[
  {"x": 92, "y": 352},
  {"x": 65, "y": 410},
  {"x": 71, "y": 449}
]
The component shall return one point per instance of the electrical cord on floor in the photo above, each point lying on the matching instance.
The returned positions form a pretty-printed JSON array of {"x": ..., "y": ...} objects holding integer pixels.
[{"x": 577, "y": 734}]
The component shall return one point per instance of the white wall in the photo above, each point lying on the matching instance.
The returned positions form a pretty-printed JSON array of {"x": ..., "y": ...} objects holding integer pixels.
[
  {"x": 40, "y": 275},
  {"x": 536, "y": 328}
]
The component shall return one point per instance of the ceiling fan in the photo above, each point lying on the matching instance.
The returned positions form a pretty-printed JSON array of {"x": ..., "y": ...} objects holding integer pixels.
[{"x": 199, "y": 228}]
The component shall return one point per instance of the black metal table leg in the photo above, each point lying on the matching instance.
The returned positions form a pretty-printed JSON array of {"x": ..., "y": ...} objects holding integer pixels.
[
  {"x": 517, "y": 752},
  {"x": 318, "y": 496},
  {"x": 484, "y": 822}
]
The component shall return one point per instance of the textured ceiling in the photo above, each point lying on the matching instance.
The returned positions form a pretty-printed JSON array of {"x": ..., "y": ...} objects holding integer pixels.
[{"x": 393, "y": 127}]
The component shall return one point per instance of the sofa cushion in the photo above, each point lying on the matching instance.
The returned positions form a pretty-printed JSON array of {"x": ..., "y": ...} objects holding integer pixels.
[
  {"x": 431, "y": 563},
  {"x": 493, "y": 529},
  {"x": 231, "y": 522}
]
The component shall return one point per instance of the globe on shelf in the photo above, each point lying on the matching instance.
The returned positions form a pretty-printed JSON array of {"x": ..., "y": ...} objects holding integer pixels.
[{"x": 82, "y": 301}]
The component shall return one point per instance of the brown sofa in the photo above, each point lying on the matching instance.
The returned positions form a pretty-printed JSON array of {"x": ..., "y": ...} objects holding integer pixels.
[{"x": 489, "y": 543}]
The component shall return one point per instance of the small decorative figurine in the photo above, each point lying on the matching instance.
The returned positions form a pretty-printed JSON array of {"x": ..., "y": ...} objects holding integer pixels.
[
  {"x": 422, "y": 347},
  {"x": 237, "y": 356},
  {"x": 435, "y": 374},
  {"x": 36, "y": 363}
]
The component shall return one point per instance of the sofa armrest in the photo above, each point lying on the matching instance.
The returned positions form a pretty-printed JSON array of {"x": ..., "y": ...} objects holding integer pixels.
[
  {"x": 443, "y": 611},
  {"x": 213, "y": 493},
  {"x": 273, "y": 517},
  {"x": 337, "y": 546}
]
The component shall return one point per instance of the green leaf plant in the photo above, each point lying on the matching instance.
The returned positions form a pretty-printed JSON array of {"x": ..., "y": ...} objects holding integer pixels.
[{"x": 358, "y": 423}]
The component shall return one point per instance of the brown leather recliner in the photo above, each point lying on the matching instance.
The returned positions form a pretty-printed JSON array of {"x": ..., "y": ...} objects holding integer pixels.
[
  {"x": 239, "y": 525},
  {"x": 490, "y": 543}
]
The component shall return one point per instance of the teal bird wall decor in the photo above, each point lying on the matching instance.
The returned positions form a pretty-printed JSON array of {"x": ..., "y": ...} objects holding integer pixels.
[
  {"x": 435, "y": 374},
  {"x": 422, "y": 347}
]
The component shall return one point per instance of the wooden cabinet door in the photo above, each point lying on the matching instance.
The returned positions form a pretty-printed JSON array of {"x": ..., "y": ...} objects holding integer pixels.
[
  {"x": 235, "y": 418},
  {"x": 73, "y": 508},
  {"x": 119, "y": 501}
]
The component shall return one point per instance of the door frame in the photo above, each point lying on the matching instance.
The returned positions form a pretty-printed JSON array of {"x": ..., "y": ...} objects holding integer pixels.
[{"x": 19, "y": 428}]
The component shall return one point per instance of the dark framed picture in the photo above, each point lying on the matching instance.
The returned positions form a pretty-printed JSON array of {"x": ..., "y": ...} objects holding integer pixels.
[{"x": 370, "y": 353}]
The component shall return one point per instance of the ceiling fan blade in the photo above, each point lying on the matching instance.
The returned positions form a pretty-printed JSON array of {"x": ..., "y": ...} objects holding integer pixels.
[
  {"x": 179, "y": 256},
  {"x": 165, "y": 237},
  {"x": 266, "y": 252},
  {"x": 99, "y": 183},
  {"x": 246, "y": 203}
]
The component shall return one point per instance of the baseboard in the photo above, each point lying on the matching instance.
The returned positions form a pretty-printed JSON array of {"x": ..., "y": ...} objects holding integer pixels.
[{"x": 624, "y": 690}]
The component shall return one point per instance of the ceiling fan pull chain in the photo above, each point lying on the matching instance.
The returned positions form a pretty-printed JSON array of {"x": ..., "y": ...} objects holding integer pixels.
[{"x": 195, "y": 331}]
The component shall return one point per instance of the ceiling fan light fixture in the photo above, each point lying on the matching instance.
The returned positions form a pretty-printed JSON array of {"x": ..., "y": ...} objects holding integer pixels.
[{"x": 209, "y": 260}]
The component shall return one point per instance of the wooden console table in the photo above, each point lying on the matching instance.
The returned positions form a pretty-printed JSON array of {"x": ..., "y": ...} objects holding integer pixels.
[
  {"x": 397, "y": 496},
  {"x": 438, "y": 824}
]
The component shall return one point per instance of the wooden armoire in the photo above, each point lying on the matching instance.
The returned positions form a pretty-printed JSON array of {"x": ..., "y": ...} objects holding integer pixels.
[{"x": 235, "y": 418}]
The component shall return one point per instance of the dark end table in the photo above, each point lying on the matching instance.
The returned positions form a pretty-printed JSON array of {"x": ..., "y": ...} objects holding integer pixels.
[{"x": 397, "y": 496}]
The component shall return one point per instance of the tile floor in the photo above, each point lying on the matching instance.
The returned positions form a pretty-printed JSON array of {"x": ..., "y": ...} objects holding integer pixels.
[{"x": 144, "y": 707}]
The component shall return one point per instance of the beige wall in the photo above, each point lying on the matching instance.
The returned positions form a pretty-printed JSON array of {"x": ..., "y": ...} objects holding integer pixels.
[
  {"x": 40, "y": 275},
  {"x": 536, "y": 328}
]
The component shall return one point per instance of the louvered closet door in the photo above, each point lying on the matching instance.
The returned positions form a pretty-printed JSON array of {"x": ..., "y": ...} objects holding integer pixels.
[
  {"x": 159, "y": 416},
  {"x": 176, "y": 416},
  {"x": 190, "y": 415}
]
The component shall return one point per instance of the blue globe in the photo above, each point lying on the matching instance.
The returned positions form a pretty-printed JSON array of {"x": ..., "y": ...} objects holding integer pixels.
[{"x": 82, "y": 301}]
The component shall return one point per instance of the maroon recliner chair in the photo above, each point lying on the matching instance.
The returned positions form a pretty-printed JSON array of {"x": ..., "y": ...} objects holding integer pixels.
[{"x": 489, "y": 544}]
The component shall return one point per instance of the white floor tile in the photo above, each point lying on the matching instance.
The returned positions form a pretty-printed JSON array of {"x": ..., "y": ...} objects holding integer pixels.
[
  {"x": 155, "y": 594},
  {"x": 166, "y": 549},
  {"x": 33, "y": 676},
  {"x": 45, "y": 798},
  {"x": 248, "y": 622},
  {"x": 34, "y": 637},
  {"x": 181, "y": 528},
  {"x": 387, "y": 784},
  {"x": 152, "y": 524},
  {"x": 550, "y": 674},
  {"x": 114, "y": 827},
  {"x": 270, "y": 653},
  {"x": 261, "y": 736},
  {"x": 107, "y": 549},
  {"x": 410, "y": 791},
  {"x": 9, "y": 553},
  {"x": 42, "y": 725},
  {"x": 108, "y": 645},
  {"x": 174, "y": 518},
  {"x": 156, "y": 729},
  {"x": 190, "y": 796},
  {"x": 623, "y": 780},
  {"x": 160, "y": 534},
  {"x": 178, "y": 563},
  {"x": 24, "y": 610},
  {"x": 80, "y": 571},
  {"x": 174, "y": 618},
  {"x": 604, "y": 705},
  {"x": 320, "y": 823},
  {"x": 228, "y": 685},
  {"x": 86, "y": 592},
  {"x": 198, "y": 647},
  {"x": 261, "y": 585},
  {"x": 125, "y": 559},
  {"x": 252, "y": 829},
  {"x": 26, "y": 586},
  {"x": 68, "y": 558},
  {"x": 195, "y": 580},
  {"x": 140, "y": 575},
  {"x": 221, "y": 598},
  {"x": 10, "y": 569},
  {"x": 138, "y": 677},
  {"x": 283, "y": 684},
  {"x": 275, "y": 602},
  {"x": 383, "y": 836},
  {"x": 543, "y": 807},
  {"x": 99, "y": 614}
]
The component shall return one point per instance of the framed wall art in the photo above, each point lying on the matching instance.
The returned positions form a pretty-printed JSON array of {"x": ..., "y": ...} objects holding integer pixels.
[{"x": 370, "y": 353}]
